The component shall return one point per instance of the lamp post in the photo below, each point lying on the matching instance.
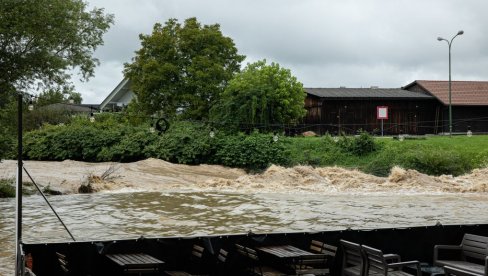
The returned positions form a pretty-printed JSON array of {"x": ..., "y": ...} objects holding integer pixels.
[
  {"x": 18, "y": 233},
  {"x": 449, "y": 43}
]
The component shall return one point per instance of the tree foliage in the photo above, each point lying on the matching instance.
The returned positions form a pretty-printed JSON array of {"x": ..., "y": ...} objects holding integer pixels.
[
  {"x": 263, "y": 95},
  {"x": 182, "y": 68},
  {"x": 52, "y": 96},
  {"x": 41, "y": 39}
]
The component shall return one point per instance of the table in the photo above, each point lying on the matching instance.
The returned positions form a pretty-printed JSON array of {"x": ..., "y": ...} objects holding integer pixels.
[
  {"x": 297, "y": 261},
  {"x": 429, "y": 270},
  {"x": 136, "y": 263},
  {"x": 284, "y": 251}
]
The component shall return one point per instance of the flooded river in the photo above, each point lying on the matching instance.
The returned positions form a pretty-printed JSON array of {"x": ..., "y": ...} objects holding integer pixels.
[{"x": 155, "y": 214}]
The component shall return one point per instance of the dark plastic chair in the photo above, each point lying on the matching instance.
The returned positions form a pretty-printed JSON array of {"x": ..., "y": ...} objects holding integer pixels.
[
  {"x": 452, "y": 271},
  {"x": 352, "y": 259},
  {"x": 196, "y": 258},
  {"x": 378, "y": 263},
  {"x": 315, "y": 264},
  {"x": 221, "y": 263},
  {"x": 254, "y": 265}
]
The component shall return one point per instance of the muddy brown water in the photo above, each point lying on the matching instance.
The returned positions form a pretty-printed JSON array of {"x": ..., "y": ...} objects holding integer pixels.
[{"x": 155, "y": 214}]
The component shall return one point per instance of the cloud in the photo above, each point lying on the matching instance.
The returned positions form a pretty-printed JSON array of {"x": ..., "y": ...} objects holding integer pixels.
[{"x": 325, "y": 43}]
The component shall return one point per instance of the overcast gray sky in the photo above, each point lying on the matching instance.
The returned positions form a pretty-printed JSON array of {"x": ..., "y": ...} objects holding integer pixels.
[{"x": 325, "y": 43}]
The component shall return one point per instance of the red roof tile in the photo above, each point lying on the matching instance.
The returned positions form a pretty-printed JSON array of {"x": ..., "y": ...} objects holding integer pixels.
[{"x": 462, "y": 92}]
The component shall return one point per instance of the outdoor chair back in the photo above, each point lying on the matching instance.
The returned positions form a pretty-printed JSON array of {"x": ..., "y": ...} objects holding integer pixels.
[{"x": 352, "y": 259}]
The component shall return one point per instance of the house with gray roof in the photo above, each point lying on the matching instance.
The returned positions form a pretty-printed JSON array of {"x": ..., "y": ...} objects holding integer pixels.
[{"x": 119, "y": 97}]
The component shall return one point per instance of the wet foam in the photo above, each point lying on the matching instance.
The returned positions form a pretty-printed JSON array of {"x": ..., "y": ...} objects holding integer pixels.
[
  {"x": 339, "y": 180},
  {"x": 157, "y": 175}
]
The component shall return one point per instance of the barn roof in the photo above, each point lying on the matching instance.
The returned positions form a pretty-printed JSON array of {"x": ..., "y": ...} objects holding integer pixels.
[
  {"x": 462, "y": 92},
  {"x": 364, "y": 93}
]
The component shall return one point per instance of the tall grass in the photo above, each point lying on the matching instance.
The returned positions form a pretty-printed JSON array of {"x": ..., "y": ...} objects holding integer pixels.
[{"x": 434, "y": 156}]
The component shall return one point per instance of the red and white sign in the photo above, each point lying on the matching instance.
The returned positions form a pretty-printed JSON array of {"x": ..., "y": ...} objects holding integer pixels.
[{"x": 382, "y": 112}]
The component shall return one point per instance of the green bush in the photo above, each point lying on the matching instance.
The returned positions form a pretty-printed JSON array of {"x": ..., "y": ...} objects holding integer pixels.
[
  {"x": 255, "y": 151},
  {"x": 7, "y": 188},
  {"x": 107, "y": 139},
  {"x": 184, "y": 143},
  {"x": 7, "y": 143},
  {"x": 382, "y": 162},
  {"x": 76, "y": 142},
  {"x": 358, "y": 145},
  {"x": 132, "y": 147}
]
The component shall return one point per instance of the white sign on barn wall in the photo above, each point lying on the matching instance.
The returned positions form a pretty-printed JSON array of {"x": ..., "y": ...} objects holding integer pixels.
[{"x": 382, "y": 112}]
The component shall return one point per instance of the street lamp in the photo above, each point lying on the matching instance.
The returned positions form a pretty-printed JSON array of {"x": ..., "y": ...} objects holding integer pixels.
[
  {"x": 450, "y": 104},
  {"x": 18, "y": 214}
]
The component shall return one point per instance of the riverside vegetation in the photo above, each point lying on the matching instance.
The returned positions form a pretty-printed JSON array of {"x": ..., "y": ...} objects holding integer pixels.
[{"x": 113, "y": 138}]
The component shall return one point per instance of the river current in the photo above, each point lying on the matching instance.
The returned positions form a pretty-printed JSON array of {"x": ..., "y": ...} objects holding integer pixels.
[{"x": 154, "y": 214}]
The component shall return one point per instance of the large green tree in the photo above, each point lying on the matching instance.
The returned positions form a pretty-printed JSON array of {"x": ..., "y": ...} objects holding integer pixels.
[
  {"x": 181, "y": 69},
  {"x": 262, "y": 95},
  {"x": 41, "y": 39},
  {"x": 41, "y": 42}
]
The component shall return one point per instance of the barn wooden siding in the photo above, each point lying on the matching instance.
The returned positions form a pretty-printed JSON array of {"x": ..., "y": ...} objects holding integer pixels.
[
  {"x": 474, "y": 118},
  {"x": 464, "y": 117},
  {"x": 334, "y": 116}
]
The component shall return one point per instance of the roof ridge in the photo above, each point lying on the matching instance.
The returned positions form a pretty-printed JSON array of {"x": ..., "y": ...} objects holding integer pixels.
[
  {"x": 353, "y": 88},
  {"x": 453, "y": 81}
]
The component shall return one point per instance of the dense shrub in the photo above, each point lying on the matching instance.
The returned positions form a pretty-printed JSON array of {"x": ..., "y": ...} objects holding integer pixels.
[
  {"x": 358, "y": 145},
  {"x": 104, "y": 140},
  {"x": 7, "y": 188},
  {"x": 76, "y": 142},
  {"x": 255, "y": 151},
  {"x": 184, "y": 143},
  {"x": 382, "y": 162},
  {"x": 132, "y": 147},
  {"x": 39, "y": 117},
  {"x": 7, "y": 142}
]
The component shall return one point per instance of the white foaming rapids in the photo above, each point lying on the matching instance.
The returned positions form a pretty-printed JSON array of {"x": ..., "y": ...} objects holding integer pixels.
[
  {"x": 158, "y": 175},
  {"x": 328, "y": 180}
]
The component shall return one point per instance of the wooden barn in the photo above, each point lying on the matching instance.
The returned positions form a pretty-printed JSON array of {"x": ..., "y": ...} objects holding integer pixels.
[{"x": 420, "y": 107}]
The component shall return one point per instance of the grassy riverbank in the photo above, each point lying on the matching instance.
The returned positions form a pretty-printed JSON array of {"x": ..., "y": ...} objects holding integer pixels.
[
  {"x": 432, "y": 155},
  {"x": 374, "y": 155},
  {"x": 111, "y": 140}
]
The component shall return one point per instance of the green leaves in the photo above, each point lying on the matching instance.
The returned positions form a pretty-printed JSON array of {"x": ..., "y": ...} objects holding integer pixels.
[
  {"x": 41, "y": 39},
  {"x": 255, "y": 151},
  {"x": 262, "y": 95},
  {"x": 182, "y": 69},
  {"x": 184, "y": 143},
  {"x": 102, "y": 141}
]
